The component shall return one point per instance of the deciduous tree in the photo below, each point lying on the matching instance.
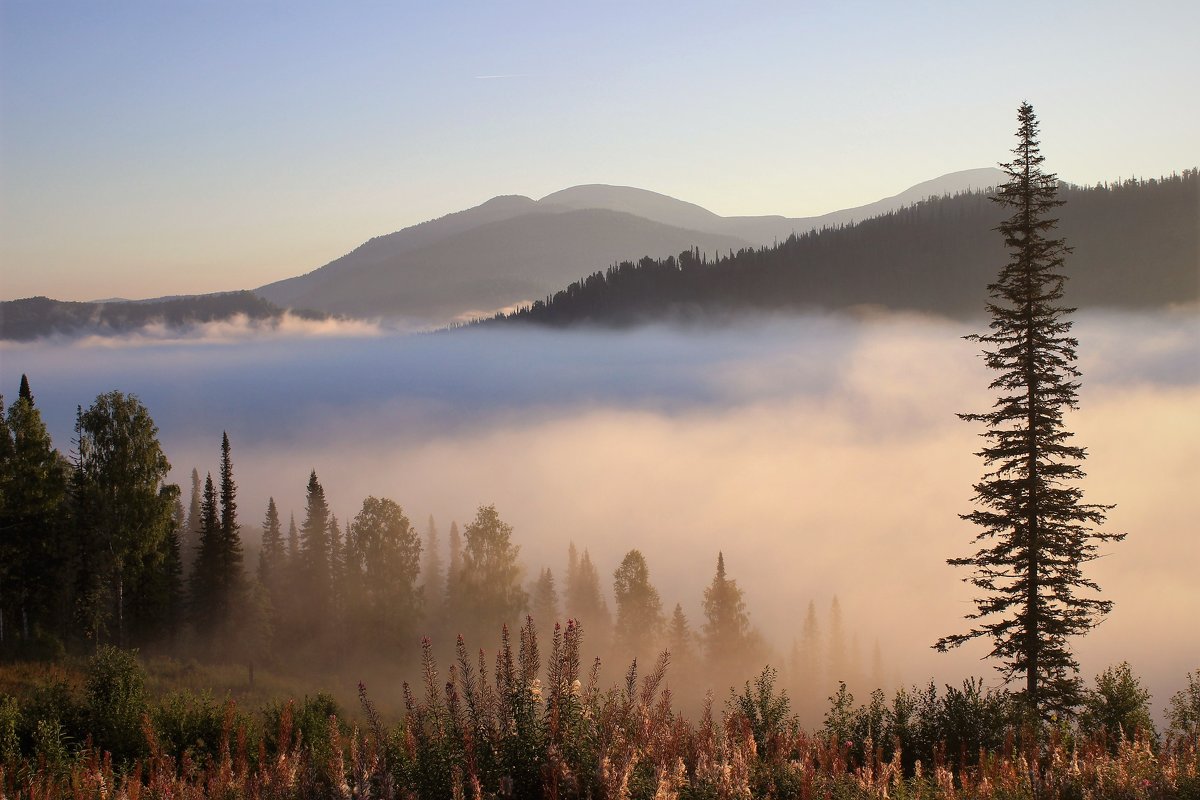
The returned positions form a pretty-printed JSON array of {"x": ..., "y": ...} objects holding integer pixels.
[{"x": 122, "y": 508}]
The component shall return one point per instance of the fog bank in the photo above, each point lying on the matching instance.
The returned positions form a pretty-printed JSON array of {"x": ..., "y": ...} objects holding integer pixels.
[{"x": 821, "y": 455}]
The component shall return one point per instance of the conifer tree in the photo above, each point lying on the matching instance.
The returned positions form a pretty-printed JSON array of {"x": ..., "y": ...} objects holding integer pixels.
[
  {"x": 1036, "y": 533},
  {"x": 293, "y": 541},
  {"x": 453, "y": 569},
  {"x": 230, "y": 578},
  {"x": 543, "y": 600},
  {"x": 680, "y": 637},
  {"x": 431, "y": 571},
  {"x": 33, "y": 490},
  {"x": 809, "y": 669},
  {"x": 205, "y": 583},
  {"x": 837, "y": 665},
  {"x": 315, "y": 555},
  {"x": 271, "y": 556},
  {"x": 585, "y": 599},
  {"x": 727, "y": 625},
  {"x": 190, "y": 538}
]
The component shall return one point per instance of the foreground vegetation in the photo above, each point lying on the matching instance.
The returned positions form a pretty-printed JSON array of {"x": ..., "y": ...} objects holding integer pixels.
[{"x": 524, "y": 726}]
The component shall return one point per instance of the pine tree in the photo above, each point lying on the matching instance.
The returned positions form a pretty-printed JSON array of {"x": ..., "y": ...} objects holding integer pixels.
[{"x": 1035, "y": 531}]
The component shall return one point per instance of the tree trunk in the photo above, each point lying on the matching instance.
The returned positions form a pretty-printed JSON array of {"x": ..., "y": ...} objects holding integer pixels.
[{"x": 120, "y": 609}]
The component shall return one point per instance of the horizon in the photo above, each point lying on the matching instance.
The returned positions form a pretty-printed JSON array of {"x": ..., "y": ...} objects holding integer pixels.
[{"x": 151, "y": 151}]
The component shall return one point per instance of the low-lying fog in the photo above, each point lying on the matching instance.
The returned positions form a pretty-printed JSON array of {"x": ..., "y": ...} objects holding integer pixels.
[{"x": 821, "y": 454}]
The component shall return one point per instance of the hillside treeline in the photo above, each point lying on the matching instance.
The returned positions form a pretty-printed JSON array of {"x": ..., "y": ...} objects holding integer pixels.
[
  {"x": 1136, "y": 245},
  {"x": 35, "y": 317}
]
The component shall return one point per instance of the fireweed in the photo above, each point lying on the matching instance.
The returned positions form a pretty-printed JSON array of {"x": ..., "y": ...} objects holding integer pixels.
[{"x": 520, "y": 725}]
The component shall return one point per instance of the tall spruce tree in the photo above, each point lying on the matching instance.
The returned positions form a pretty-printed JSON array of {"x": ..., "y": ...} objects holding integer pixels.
[
  {"x": 190, "y": 539},
  {"x": 726, "y": 624},
  {"x": 231, "y": 578},
  {"x": 204, "y": 582},
  {"x": 1035, "y": 530},
  {"x": 271, "y": 556},
  {"x": 315, "y": 560},
  {"x": 33, "y": 490},
  {"x": 543, "y": 600},
  {"x": 453, "y": 570}
]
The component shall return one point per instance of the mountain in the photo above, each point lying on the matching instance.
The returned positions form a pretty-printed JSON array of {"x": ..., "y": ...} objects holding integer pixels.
[
  {"x": 513, "y": 249},
  {"x": 476, "y": 270},
  {"x": 761, "y": 230},
  {"x": 35, "y": 317},
  {"x": 1136, "y": 245}
]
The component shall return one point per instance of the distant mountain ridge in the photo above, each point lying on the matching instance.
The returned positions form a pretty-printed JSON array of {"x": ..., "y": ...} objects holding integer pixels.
[
  {"x": 513, "y": 249},
  {"x": 1135, "y": 246},
  {"x": 761, "y": 230}
]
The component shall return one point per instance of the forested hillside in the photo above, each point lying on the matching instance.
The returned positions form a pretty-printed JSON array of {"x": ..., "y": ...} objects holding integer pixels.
[
  {"x": 33, "y": 317},
  {"x": 1136, "y": 246}
]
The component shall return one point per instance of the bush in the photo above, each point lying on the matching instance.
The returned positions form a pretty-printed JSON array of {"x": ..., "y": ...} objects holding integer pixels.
[
  {"x": 1184, "y": 711},
  {"x": 115, "y": 702},
  {"x": 55, "y": 702},
  {"x": 10, "y": 723},
  {"x": 189, "y": 723},
  {"x": 767, "y": 712},
  {"x": 1118, "y": 708}
]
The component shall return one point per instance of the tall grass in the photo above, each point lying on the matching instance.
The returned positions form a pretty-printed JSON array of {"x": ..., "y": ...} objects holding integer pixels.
[{"x": 528, "y": 724}]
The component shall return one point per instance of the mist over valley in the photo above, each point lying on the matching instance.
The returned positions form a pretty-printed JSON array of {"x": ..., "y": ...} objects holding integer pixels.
[{"x": 821, "y": 454}]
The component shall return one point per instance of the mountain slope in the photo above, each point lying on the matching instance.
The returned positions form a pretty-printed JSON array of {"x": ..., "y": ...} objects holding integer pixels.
[
  {"x": 490, "y": 266},
  {"x": 35, "y": 317},
  {"x": 1135, "y": 246},
  {"x": 760, "y": 230},
  {"x": 513, "y": 249}
]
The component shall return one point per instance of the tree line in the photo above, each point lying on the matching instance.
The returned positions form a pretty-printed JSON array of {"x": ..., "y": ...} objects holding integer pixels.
[{"x": 99, "y": 548}]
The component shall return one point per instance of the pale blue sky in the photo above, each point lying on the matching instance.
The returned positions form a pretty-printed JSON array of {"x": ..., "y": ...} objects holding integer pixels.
[{"x": 151, "y": 148}]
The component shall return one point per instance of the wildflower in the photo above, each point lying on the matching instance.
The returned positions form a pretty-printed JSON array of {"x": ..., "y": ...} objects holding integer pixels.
[
  {"x": 535, "y": 691},
  {"x": 576, "y": 688}
]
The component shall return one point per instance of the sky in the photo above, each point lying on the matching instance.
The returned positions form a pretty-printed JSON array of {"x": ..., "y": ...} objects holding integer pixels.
[{"x": 151, "y": 148}]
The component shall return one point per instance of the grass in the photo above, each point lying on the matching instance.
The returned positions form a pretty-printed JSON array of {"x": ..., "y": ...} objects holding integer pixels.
[{"x": 529, "y": 726}]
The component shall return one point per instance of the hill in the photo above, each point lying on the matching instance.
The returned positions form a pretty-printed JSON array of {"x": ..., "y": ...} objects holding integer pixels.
[
  {"x": 512, "y": 249},
  {"x": 1136, "y": 246},
  {"x": 34, "y": 317}
]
